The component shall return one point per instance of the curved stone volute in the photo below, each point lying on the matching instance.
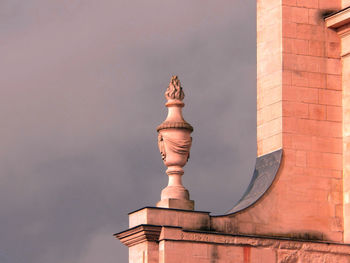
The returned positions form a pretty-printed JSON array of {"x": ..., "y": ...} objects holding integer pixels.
[{"x": 174, "y": 141}]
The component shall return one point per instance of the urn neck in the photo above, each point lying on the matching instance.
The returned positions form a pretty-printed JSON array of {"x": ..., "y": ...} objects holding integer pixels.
[{"x": 174, "y": 114}]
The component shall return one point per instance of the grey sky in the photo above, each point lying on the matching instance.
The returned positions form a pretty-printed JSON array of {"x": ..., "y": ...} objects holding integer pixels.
[{"x": 81, "y": 94}]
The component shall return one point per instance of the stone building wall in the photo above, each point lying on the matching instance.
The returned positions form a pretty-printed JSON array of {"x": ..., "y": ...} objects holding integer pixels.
[
  {"x": 159, "y": 235},
  {"x": 303, "y": 112}
]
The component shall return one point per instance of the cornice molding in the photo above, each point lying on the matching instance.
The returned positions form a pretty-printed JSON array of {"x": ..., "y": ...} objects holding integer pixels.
[
  {"x": 339, "y": 19},
  {"x": 139, "y": 234}
]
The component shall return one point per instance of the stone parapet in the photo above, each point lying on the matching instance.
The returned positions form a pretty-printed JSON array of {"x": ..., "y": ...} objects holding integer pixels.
[
  {"x": 175, "y": 244},
  {"x": 195, "y": 246}
]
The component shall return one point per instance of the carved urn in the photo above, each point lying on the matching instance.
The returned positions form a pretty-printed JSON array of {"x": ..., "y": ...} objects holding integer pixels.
[{"x": 174, "y": 141}]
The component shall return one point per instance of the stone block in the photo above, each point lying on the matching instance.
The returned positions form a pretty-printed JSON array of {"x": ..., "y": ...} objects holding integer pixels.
[
  {"x": 300, "y": 158},
  {"x": 300, "y": 78},
  {"x": 324, "y": 160},
  {"x": 295, "y": 14},
  {"x": 269, "y": 144},
  {"x": 317, "y": 112},
  {"x": 333, "y": 50},
  {"x": 171, "y": 217},
  {"x": 330, "y": 97},
  {"x": 289, "y": 29},
  {"x": 326, "y": 144},
  {"x": 176, "y": 203},
  {"x": 329, "y": 5},
  {"x": 317, "y": 80},
  {"x": 334, "y": 82},
  {"x": 308, "y": 3},
  {"x": 297, "y": 141},
  {"x": 334, "y": 113},
  {"x": 300, "y": 94},
  {"x": 315, "y": 17},
  {"x": 334, "y": 66},
  {"x": 295, "y": 109},
  {"x": 317, "y": 48},
  {"x": 345, "y": 3}
]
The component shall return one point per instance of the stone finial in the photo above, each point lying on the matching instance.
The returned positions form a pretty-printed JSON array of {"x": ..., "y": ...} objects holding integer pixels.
[
  {"x": 174, "y": 90},
  {"x": 174, "y": 141}
]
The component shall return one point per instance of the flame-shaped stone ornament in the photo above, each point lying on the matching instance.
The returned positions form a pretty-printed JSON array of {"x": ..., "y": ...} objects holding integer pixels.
[{"x": 174, "y": 141}]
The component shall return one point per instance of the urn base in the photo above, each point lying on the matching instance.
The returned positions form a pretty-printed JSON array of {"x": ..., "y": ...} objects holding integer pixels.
[{"x": 176, "y": 204}]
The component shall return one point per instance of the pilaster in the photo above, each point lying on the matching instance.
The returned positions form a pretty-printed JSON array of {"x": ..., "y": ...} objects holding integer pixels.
[{"x": 340, "y": 23}]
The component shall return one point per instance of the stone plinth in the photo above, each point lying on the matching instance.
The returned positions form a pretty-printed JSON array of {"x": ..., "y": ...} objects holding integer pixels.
[
  {"x": 172, "y": 236},
  {"x": 171, "y": 217},
  {"x": 179, "y": 204}
]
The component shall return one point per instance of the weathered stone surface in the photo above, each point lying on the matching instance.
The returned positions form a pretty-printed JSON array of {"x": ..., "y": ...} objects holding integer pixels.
[
  {"x": 285, "y": 256},
  {"x": 340, "y": 22},
  {"x": 299, "y": 97},
  {"x": 194, "y": 220},
  {"x": 304, "y": 109},
  {"x": 174, "y": 142},
  {"x": 176, "y": 244}
]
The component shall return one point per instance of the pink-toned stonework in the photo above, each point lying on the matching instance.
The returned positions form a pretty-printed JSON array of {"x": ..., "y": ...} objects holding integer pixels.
[
  {"x": 303, "y": 108},
  {"x": 340, "y": 22},
  {"x": 171, "y": 236},
  {"x": 299, "y": 110},
  {"x": 174, "y": 141}
]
